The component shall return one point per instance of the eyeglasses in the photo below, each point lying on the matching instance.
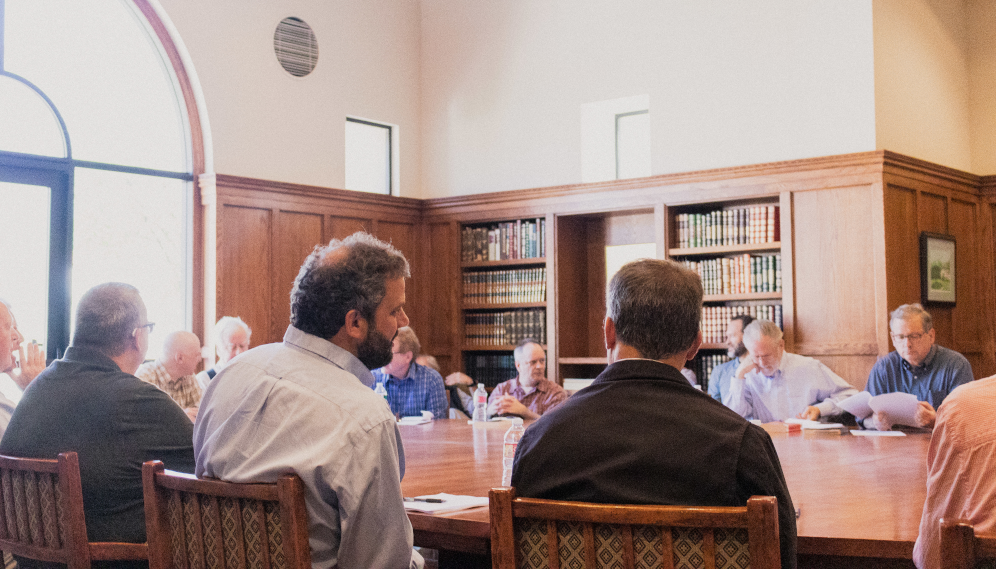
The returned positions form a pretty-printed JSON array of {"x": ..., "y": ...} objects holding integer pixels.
[
  {"x": 910, "y": 337},
  {"x": 539, "y": 362},
  {"x": 150, "y": 325}
]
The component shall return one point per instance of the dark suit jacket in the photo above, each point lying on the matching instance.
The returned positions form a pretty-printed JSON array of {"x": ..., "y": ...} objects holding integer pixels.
[
  {"x": 114, "y": 422},
  {"x": 640, "y": 434}
]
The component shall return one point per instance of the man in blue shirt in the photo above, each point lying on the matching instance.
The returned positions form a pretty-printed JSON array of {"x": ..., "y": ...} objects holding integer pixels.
[
  {"x": 719, "y": 379},
  {"x": 411, "y": 388},
  {"x": 918, "y": 366}
]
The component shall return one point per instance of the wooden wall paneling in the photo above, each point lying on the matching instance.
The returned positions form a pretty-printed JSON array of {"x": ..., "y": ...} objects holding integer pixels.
[
  {"x": 968, "y": 332},
  {"x": 552, "y": 313},
  {"x": 664, "y": 232},
  {"x": 402, "y": 236},
  {"x": 571, "y": 268},
  {"x": 879, "y": 247},
  {"x": 902, "y": 246},
  {"x": 834, "y": 287},
  {"x": 342, "y": 227},
  {"x": 444, "y": 291},
  {"x": 295, "y": 235},
  {"x": 593, "y": 307},
  {"x": 245, "y": 260}
]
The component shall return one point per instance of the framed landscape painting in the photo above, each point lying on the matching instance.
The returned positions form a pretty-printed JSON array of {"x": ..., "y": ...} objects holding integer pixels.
[{"x": 937, "y": 269}]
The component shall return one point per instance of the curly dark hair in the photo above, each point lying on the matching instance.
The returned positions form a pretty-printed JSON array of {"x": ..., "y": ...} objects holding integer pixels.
[{"x": 347, "y": 274}]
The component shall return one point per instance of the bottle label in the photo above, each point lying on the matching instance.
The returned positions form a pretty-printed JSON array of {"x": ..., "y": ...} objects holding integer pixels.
[
  {"x": 510, "y": 450},
  {"x": 481, "y": 400}
]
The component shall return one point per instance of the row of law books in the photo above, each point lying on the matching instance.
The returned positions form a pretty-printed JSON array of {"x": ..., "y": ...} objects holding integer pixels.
[
  {"x": 490, "y": 369},
  {"x": 504, "y": 287},
  {"x": 739, "y": 275},
  {"x": 703, "y": 365},
  {"x": 715, "y": 319},
  {"x": 520, "y": 239},
  {"x": 724, "y": 227},
  {"x": 504, "y": 328}
]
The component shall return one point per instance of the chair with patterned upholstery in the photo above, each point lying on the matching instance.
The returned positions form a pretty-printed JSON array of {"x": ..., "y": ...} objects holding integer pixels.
[
  {"x": 962, "y": 549},
  {"x": 203, "y": 523},
  {"x": 42, "y": 515},
  {"x": 530, "y": 533}
]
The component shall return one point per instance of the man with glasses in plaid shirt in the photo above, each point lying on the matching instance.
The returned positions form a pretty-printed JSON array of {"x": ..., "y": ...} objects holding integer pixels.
[{"x": 918, "y": 366}]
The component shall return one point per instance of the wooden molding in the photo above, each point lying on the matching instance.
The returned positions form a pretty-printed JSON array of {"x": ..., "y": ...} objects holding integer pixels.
[{"x": 227, "y": 183}]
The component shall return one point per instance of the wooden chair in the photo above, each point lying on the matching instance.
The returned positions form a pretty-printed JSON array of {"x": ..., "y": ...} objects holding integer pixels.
[
  {"x": 42, "y": 515},
  {"x": 547, "y": 533},
  {"x": 962, "y": 549},
  {"x": 211, "y": 524}
]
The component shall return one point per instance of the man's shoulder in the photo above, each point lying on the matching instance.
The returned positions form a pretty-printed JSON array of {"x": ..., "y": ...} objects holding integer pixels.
[
  {"x": 948, "y": 357},
  {"x": 725, "y": 367}
]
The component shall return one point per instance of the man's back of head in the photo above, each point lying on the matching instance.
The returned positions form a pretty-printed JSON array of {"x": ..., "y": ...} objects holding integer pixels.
[
  {"x": 107, "y": 317},
  {"x": 181, "y": 351},
  {"x": 656, "y": 306},
  {"x": 347, "y": 274}
]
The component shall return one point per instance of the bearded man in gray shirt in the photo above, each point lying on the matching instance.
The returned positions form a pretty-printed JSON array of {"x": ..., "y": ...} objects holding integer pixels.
[{"x": 305, "y": 406}]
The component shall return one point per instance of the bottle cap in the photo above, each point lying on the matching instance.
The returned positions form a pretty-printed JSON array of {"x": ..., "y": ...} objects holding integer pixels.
[
  {"x": 480, "y": 385},
  {"x": 517, "y": 421}
]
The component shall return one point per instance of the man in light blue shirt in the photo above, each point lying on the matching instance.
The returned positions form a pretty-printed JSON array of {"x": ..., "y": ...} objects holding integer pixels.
[
  {"x": 305, "y": 406},
  {"x": 773, "y": 385},
  {"x": 719, "y": 379},
  {"x": 411, "y": 388}
]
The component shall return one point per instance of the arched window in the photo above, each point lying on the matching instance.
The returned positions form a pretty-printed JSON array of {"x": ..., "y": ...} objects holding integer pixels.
[{"x": 99, "y": 150}]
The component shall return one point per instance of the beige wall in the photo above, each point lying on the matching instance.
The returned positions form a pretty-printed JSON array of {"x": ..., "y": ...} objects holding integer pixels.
[
  {"x": 729, "y": 83},
  {"x": 267, "y": 124},
  {"x": 935, "y": 81}
]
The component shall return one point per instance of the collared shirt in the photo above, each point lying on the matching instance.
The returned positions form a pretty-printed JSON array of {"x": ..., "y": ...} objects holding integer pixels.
[
  {"x": 940, "y": 373},
  {"x": 184, "y": 391},
  {"x": 421, "y": 390},
  {"x": 798, "y": 382},
  {"x": 546, "y": 397},
  {"x": 719, "y": 380},
  {"x": 961, "y": 461},
  {"x": 305, "y": 406}
]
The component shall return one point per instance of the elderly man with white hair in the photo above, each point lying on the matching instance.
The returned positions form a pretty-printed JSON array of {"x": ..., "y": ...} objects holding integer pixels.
[
  {"x": 231, "y": 338},
  {"x": 173, "y": 372},
  {"x": 772, "y": 384}
]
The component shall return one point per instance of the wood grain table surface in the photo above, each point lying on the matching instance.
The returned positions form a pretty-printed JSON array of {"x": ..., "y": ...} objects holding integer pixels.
[{"x": 859, "y": 496}]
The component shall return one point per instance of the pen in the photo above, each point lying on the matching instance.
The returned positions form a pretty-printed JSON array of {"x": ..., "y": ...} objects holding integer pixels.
[{"x": 426, "y": 500}]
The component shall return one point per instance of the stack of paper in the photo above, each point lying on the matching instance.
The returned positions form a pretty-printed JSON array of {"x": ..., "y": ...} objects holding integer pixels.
[
  {"x": 413, "y": 420},
  {"x": 816, "y": 425},
  {"x": 448, "y": 503},
  {"x": 900, "y": 407}
]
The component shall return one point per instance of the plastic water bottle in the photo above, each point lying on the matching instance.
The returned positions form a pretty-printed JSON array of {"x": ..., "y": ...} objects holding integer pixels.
[
  {"x": 380, "y": 390},
  {"x": 512, "y": 438},
  {"x": 480, "y": 404}
]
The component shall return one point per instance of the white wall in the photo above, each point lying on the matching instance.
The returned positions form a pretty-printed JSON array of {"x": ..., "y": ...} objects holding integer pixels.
[
  {"x": 982, "y": 84},
  {"x": 922, "y": 87},
  {"x": 730, "y": 83},
  {"x": 267, "y": 124}
]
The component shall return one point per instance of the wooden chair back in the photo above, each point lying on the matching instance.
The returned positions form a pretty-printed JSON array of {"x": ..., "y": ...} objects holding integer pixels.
[
  {"x": 548, "y": 533},
  {"x": 962, "y": 549},
  {"x": 205, "y": 523},
  {"x": 42, "y": 514}
]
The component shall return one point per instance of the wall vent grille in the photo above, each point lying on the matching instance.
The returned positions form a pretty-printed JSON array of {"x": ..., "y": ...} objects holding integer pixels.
[{"x": 295, "y": 46}]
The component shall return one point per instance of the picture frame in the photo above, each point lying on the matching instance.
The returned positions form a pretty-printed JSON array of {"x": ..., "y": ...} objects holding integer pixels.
[{"x": 938, "y": 284}]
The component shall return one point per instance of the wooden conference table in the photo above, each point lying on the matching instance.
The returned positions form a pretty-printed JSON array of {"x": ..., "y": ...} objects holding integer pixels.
[{"x": 860, "y": 497}]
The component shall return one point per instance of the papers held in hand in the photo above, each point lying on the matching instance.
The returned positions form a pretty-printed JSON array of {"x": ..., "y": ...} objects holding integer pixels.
[
  {"x": 900, "y": 407},
  {"x": 443, "y": 503}
]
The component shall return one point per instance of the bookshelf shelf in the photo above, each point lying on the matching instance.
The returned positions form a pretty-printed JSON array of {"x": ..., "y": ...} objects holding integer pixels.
[
  {"x": 745, "y": 296},
  {"x": 712, "y": 346},
  {"x": 725, "y": 249},
  {"x": 504, "y": 306},
  {"x": 532, "y": 262},
  {"x": 503, "y": 348}
]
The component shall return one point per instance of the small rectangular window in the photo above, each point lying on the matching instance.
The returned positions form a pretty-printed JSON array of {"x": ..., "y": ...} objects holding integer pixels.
[
  {"x": 369, "y": 156},
  {"x": 632, "y": 145}
]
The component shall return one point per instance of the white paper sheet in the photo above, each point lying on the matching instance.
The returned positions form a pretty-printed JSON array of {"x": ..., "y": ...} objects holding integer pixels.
[
  {"x": 857, "y": 405},
  {"x": 900, "y": 407},
  {"x": 814, "y": 425},
  {"x": 878, "y": 433},
  {"x": 450, "y": 503}
]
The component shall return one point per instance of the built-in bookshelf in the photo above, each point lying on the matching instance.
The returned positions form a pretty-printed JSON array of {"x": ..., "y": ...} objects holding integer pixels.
[
  {"x": 736, "y": 250},
  {"x": 504, "y": 294}
]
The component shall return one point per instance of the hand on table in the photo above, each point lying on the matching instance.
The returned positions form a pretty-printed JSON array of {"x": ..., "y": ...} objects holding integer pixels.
[
  {"x": 508, "y": 405},
  {"x": 810, "y": 414},
  {"x": 32, "y": 360},
  {"x": 879, "y": 421},
  {"x": 925, "y": 415}
]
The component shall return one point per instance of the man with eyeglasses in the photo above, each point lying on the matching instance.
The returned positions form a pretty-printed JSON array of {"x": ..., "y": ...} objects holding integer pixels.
[
  {"x": 91, "y": 402},
  {"x": 530, "y": 394},
  {"x": 411, "y": 388},
  {"x": 918, "y": 366}
]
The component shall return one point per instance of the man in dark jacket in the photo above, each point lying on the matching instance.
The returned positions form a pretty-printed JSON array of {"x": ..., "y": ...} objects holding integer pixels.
[
  {"x": 640, "y": 434},
  {"x": 91, "y": 403}
]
